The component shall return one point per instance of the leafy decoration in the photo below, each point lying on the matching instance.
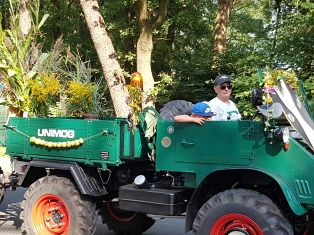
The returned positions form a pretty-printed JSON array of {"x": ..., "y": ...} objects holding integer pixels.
[
  {"x": 271, "y": 79},
  {"x": 80, "y": 97},
  {"x": 135, "y": 104},
  {"x": 16, "y": 56},
  {"x": 44, "y": 93}
]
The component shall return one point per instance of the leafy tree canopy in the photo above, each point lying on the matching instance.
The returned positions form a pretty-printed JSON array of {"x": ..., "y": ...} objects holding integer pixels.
[{"x": 277, "y": 34}]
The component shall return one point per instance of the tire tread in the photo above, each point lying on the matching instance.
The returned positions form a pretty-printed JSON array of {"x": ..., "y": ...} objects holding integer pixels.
[{"x": 251, "y": 199}]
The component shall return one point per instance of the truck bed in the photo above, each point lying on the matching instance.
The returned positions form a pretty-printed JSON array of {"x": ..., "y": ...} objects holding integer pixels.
[{"x": 108, "y": 141}]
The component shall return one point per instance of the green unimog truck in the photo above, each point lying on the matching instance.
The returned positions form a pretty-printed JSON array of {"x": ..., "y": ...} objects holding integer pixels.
[{"x": 224, "y": 177}]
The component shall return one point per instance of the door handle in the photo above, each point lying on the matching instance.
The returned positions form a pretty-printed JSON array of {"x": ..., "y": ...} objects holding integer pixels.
[{"x": 188, "y": 144}]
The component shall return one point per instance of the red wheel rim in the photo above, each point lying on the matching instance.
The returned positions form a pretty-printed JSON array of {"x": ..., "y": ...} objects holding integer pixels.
[
  {"x": 124, "y": 216},
  {"x": 225, "y": 224},
  {"x": 308, "y": 218},
  {"x": 50, "y": 216}
]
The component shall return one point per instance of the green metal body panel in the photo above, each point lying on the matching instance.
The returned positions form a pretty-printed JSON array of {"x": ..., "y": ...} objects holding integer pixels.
[
  {"x": 214, "y": 146},
  {"x": 107, "y": 142}
]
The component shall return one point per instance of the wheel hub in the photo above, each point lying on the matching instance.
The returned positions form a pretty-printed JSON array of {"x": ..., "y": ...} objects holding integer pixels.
[
  {"x": 236, "y": 224},
  {"x": 238, "y": 231},
  {"x": 56, "y": 216},
  {"x": 51, "y": 216}
]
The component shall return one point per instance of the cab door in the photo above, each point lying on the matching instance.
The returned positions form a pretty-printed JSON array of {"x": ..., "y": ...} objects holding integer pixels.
[{"x": 215, "y": 142}]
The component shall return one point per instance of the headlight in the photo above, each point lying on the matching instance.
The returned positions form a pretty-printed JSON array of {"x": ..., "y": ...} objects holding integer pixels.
[{"x": 282, "y": 134}]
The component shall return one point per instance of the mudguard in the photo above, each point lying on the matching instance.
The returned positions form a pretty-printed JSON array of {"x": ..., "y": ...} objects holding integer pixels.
[{"x": 86, "y": 184}]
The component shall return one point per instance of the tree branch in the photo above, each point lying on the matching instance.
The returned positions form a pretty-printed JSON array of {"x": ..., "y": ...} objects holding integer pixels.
[{"x": 162, "y": 14}]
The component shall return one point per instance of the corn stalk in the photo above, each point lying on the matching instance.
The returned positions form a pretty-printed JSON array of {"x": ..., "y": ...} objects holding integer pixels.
[{"x": 15, "y": 51}]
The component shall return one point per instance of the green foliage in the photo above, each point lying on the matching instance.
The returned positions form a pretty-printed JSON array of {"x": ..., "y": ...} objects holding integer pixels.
[
  {"x": 242, "y": 90},
  {"x": 67, "y": 20},
  {"x": 17, "y": 53},
  {"x": 182, "y": 58},
  {"x": 309, "y": 88},
  {"x": 39, "y": 81}
]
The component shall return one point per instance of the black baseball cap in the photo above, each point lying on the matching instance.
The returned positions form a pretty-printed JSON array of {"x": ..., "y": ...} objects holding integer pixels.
[{"x": 221, "y": 79}]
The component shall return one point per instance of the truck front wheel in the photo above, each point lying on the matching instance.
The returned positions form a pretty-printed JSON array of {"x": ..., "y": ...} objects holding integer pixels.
[
  {"x": 52, "y": 205},
  {"x": 240, "y": 212},
  {"x": 124, "y": 222}
]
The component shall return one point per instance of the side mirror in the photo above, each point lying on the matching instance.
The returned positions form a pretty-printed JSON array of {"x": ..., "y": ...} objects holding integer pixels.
[{"x": 257, "y": 97}]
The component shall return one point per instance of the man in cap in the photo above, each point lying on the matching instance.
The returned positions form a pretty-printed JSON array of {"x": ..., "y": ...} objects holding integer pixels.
[
  {"x": 221, "y": 104},
  {"x": 201, "y": 112}
]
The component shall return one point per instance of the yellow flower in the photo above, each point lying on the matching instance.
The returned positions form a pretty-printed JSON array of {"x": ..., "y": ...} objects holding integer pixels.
[
  {"x": 81, "y": 96},
  {"x": 269, "y": 100}
]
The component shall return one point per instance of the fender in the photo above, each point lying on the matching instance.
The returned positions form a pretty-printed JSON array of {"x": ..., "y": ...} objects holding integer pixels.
[
  {"x": 291, "y": 198},
  {"x": 87, "y": 185}
]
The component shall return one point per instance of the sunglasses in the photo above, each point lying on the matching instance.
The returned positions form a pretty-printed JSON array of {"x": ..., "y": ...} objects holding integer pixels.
[{"x": 222, "y": 87}]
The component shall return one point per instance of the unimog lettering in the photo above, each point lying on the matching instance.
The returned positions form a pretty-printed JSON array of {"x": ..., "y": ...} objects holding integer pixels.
[{"x": 56, "y": 133}]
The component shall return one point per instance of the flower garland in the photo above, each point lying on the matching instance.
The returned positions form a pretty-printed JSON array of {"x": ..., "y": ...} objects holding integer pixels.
[
  {"x": 272, "y": 77},
  {"x": 270, "y": 83}
]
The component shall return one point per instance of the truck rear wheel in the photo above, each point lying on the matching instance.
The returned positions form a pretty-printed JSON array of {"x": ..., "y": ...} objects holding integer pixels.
[
  {"x": 124, "y": 222},
  {"x": 52, "y": 205},
  {"x": 240, "y": 212}
]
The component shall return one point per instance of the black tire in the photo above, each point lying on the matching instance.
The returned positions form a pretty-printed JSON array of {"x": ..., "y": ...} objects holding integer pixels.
[
  {"x": 239, "y": 211},
  {"x": 175, "y": 107},
  {"x": 2, "y": 194},
  {"x": 310, "y": 226},
  {"x": 124, "y": 222},
  {"x": 303, "y": 224},
  {"x": 53, "y": 205}
]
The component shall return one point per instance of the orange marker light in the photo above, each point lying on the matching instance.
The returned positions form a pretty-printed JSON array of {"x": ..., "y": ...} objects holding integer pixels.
[
  {"x": 286, "y": 146},
  {"x": 137, "y": 80}
]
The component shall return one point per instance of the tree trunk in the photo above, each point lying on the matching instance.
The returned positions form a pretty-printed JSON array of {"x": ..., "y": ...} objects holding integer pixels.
[
  {"x": 144, "y": 49},
  {"x": 222, "y": 20},
  {"x": 145, "y": 43},
  {"x": 107, "y": 57}
]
